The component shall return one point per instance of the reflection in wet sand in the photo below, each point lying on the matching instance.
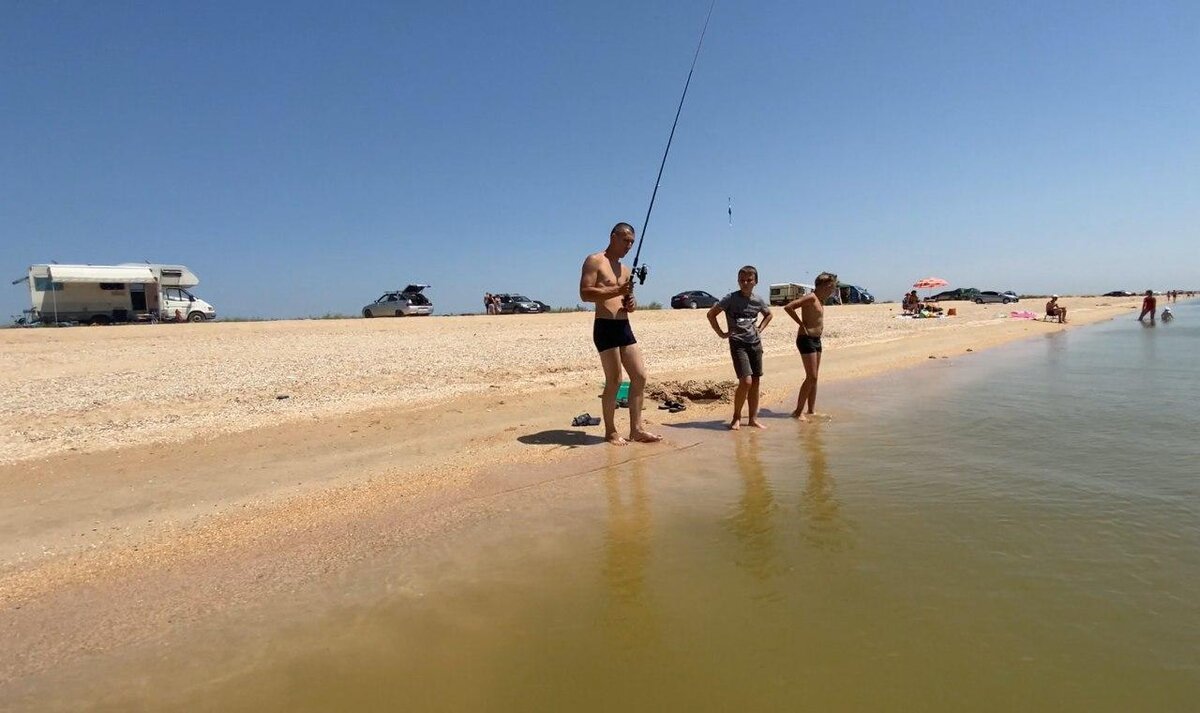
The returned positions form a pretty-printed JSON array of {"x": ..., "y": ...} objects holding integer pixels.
[
  {"x": 627, "y": 545},
  {"x": 752, "y": 521},
  {"x": 825, "y": 527}
]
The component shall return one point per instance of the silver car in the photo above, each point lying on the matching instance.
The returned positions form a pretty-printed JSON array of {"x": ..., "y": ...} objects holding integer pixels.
[
  {"x": 993, "y": 296},
  {"x": 409, "y": 302}
]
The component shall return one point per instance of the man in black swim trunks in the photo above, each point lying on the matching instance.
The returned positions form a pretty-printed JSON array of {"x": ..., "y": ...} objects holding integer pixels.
[
  {"x": 608, "y": 284},
  {"x": 808, "y": 340}
]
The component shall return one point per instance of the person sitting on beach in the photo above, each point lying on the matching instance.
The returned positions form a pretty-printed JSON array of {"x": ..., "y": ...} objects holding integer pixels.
[
  {"x": 1054, "y": 310},
  {"x": 812, "y": 325},
  {"x": 1149, "y": 306},
  {"x": 910, "y": 304},
  {"x": 609, "y": 284},
  {"x": 742, "y": 309}
]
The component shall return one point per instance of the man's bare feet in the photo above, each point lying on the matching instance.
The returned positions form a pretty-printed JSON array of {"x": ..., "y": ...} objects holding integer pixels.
[
  {"x": 615, "y": 439},
  {"x": 755, "y": 424},
  {"x": 644, "y": 437},
  {"x": 819, "y": 416},
  {"x": 799, "y": 415},
  {"x": 735, "y": 424}
]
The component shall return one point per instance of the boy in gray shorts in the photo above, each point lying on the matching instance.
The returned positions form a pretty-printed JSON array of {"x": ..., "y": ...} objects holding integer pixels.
[{"x": 742, "y": 309}]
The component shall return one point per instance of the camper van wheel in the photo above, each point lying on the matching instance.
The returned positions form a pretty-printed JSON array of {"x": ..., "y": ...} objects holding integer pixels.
[
  {"x": 99, "y": 319},
  {"x": 196, "y": 317}
]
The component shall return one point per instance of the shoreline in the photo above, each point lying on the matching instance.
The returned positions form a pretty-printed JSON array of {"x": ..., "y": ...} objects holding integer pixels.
[{"x": 266, "y": 509}]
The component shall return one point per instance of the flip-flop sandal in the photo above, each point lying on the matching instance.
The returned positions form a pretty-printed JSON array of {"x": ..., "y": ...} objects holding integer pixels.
[
  {"x": 583, "y": 419},
  {"x": 622, "y": 403},
  {"x": 677, "y": 408},
  {"x": 593, "y": 421}
]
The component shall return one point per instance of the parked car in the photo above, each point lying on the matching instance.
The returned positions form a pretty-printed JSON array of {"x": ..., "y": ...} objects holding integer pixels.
[
  {"x": 961, "y": 293},
  {"x": 409, "y": 302},
  {"x": 991, "y": 296},
  {"x": 545, "y": 307},
  {"x": 854, "y": 295},
  {"x": 517, "y": 304},
  {"x": 693, "y": 299},
  {"x": 1013, "y": 296},
  {"x": 1119, "y": 293}
]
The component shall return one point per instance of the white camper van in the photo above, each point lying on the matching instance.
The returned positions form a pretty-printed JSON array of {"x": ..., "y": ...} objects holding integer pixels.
[
  {"x": 785, "y": 292},
  {"x": 105, "y": 294}
]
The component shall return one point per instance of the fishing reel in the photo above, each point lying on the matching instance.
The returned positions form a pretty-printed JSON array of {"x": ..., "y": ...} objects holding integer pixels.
[{"x": 640, "y": 273}]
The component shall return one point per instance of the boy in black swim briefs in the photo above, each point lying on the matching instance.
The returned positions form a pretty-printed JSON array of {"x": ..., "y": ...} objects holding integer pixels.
[
  {"x": 807, "y": 344},
  {"x": 811, "y": 319},
  {"x": 609, "y": 285},
  {"x": 742, "y": 309}
]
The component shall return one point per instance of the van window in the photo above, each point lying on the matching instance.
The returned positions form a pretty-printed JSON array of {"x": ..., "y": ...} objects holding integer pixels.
[
  {"x": 112, "y": 285},
  {"x": 42, "y": 284}
]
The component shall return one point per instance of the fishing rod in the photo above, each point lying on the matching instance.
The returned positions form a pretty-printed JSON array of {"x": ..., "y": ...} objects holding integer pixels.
[{"x": 640, "y": 272}]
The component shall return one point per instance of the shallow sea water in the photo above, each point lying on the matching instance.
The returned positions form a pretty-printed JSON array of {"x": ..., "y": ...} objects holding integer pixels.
[{"x": 1012, "y": 530}]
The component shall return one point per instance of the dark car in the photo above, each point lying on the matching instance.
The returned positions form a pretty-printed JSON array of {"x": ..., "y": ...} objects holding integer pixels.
[
  {"x": 517, "y": 304},
  {"x": 850, "y": 295},
  {"x": 1119, "y": 293},
  {"x": 693, "y": 299},
  {"x": 991, "y": 296},
  {"x": 962, "y": 293},
  {"x": 544, "y": 307}
]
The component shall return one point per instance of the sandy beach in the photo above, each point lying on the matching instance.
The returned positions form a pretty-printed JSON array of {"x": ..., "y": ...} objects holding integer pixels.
[{"x": 151, "y": 475}]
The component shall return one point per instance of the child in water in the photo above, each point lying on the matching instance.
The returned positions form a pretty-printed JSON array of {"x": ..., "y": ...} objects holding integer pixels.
[
  {"x": 811, "y": 318},
  {"x": 742, "y": 309}
]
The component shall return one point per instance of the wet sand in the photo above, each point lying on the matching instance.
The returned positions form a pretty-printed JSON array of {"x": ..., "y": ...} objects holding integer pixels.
[{"x": 150, "y": 477}]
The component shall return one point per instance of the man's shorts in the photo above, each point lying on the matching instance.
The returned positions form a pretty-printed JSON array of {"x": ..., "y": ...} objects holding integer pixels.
[
  {"x": 611, "y": 333},
  {"x": 808, "y": 345},
  {"x": 747, "y": 358}
]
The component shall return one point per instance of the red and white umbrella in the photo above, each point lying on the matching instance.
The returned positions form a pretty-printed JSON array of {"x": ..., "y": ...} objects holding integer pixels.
[{"x": 929, "y": 283}]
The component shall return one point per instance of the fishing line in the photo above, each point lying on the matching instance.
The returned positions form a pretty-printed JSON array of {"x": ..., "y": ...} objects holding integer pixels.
[{"x": 637, "y": 272}]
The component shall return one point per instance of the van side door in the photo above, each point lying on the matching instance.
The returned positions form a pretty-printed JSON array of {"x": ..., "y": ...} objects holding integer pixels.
[{"x": 175, "y": 304}]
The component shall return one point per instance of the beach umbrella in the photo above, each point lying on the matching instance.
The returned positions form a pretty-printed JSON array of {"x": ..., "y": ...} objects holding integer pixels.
[{"x": 929, "y": 283}]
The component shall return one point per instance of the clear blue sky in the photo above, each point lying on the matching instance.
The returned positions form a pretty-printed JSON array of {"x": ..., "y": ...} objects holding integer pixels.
[{"x": 304, "y": 157}]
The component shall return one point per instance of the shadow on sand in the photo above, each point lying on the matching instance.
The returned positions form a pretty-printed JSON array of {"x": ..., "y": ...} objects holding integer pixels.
[
  {"x": 705, "y": 425},
  {"x": 560, "y": 437}
]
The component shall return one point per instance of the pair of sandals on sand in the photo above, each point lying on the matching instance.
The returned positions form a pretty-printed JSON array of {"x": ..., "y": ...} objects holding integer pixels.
[
  {"x": 586, "y": 419},
  {"x": 673, "y": 406}
]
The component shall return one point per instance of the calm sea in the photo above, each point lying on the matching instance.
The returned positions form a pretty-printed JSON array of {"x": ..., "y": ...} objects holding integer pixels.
[{"x": 1017, "y": 529}]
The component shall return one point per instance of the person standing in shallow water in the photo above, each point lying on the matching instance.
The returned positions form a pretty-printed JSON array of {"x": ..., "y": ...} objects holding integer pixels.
[
  {"x": 812, "y": 325},
  {"x": 742, "y": 310},
  {"x": 608, "y": 284},
  {"x": 1149, "y": 306}
]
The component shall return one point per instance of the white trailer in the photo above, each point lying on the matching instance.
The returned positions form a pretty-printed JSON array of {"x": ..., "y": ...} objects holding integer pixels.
[
  {"x": 105, "y": 294},
  {"x": 785, "y": 292}
]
